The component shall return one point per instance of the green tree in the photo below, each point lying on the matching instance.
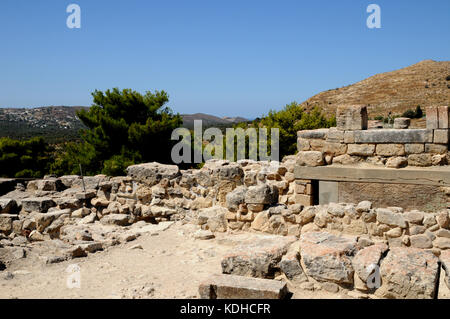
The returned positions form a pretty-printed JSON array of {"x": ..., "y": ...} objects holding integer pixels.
[
  {"x": 123, "y": 127},
  {"x": 28, "y": 158}
]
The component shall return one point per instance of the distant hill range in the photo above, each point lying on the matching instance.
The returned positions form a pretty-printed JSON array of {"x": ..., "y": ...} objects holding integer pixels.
[
  {"x": 426, "y": 83},
  {"x": 60, "y": 123},
  {"x": 210, "y": 120}
]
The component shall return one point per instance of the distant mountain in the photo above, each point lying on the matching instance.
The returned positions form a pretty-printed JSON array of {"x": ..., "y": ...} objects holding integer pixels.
[
  {"x": 426, "y": 83},
  {"x": 210, "y": 120},
  {"x": 60, "y": 123}
]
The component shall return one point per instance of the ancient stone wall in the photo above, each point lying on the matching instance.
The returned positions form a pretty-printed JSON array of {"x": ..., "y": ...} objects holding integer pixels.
[{"x": 352, "y": 143}]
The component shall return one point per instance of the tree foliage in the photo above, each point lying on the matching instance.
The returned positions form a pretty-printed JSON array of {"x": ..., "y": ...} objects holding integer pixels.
[
  {"x": 28, "y": 158},
  {"x": 123, "y": 127}
]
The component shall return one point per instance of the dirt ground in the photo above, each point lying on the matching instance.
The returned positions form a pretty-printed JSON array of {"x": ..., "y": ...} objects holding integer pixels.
[{"x": 167, "y": 264}]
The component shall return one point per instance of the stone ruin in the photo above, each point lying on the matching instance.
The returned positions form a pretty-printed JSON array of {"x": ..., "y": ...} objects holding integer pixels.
[{"x": 306, "y": 239}]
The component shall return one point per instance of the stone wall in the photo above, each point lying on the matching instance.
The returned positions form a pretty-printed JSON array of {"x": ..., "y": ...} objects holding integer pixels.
[{"x": 352, "y": 143}]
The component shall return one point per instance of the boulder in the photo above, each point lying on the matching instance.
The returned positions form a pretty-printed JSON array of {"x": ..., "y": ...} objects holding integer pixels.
[
  {"x": 37, "y": 204},
  {"x": 290, "y": 264},
  {"x": 388, "y": 217},
  {"x": 260, "y": 258},
  {"x": 408, "y": 273},
  {"x": 235, "y": 198},
  {"x": 310, "y": 158},
  {"x": 8, "y": 206},
  {"x": 365, "y": 260},
  {"x": 327, "y": 257},
  {"x": 261, "y": 194},
  {"x": 214, "y": 217},
  {"x": 115, "y": 219}
]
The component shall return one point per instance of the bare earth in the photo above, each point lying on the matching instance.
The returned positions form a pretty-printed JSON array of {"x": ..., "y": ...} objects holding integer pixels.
[{"x": 167, "y": 264}]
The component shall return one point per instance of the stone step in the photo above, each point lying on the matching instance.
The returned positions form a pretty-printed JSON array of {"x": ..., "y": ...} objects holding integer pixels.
[{"x": 240, "y": 287}]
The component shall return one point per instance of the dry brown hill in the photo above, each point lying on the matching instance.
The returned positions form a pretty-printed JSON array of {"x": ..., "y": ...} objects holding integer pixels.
[{"x": 425, "y": 83}]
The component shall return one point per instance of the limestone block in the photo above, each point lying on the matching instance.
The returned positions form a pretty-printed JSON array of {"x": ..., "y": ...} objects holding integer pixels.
[
  {"x": 441, "y": 136},
  {"x": 414, "y": 148},
  {"x": 390, "y": 149},
  {"x": 444, "y": 117},
  {"x": 436, "y": 148},
  {"x": 432, "y": 117},
  {"x": 387, "y": 136},
  {"x": 361, "y": 149},
  {"x": 402, "y": 123},
  {"x": 352, "y": 117}
]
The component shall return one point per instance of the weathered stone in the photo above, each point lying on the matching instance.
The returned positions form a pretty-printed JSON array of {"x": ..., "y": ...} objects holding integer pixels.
[
  {"x": 290, "y": 264},
  {"x": 361, "y": 149},
  {"x": 115, "y": 219},
  {"x": 402, "y": 122},
  {"x": 334, "y": 149},
  {"x": 239, "y": 287},
  {"x": 152, "y": 173},
  {"x": 414, "y": 217},
  {"x": 346, "y": 159},
  {"x": 386, "y": 216},
  {"x": 6, "y": 223},
  {"x": 443, "y": 219},
  {"x": 414, "y": 148},
  {"x": 441, "y": 136},
  {"x": 364, "y": 206},
  {"x": 444, "y": 116},
  {"x": 203, "y": 234},
  {"x": 235, "y": 198},
  {"x": 351, "y": 117},
  {"x": 37, "y": 204},
  {"x": 421, "y": 160},
  {"x": 335, "y": 136},
  {"x": 445, "y": 260},
  {"x": 327, "y": 257},
  {"x": 442, "y": 243},
  {"x": 261, "y": 194},
  {"x": 389, "y": 136},
  {"x": 349, "y": 137},
  {"x": 259, "y": 258},
  {"x": 409, "y": 273},
  {"x": 436, "y": 148},
  {"x": 365, "y": 260},
  {"x": 397, "y": 162},
  {"x": 439, "y": 159},
  {"x": 214, "y": 217},
  {"x": 420, "y": 241},
  {"x": 310, "y": 158},
  {"x": 390, "y": 149},
  {"x": 313, "y": 134},
  {"x": 394, "y": 233},
  {"x": 443, "y": 233},
  {"x": 8, "y": 206},
  {"x": 303, "y": 144},
  {"x": 432, "y": 117}
]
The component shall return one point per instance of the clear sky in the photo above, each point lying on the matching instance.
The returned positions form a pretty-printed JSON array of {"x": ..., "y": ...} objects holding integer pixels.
[{"x": 233, "y": 57}]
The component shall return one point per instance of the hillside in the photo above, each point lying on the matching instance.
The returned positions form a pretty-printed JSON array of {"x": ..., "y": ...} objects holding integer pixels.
[
  {"x": 424, "y": 84},
  {"x": 60, "y": 123}
]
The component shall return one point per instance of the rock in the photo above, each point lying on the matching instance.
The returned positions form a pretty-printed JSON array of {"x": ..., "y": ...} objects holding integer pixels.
[
  {"x": 429, "y": 221},
  {"x": 394, "y": 233},
  {"x": 261, "y": 194},
  {"x": 152, "y": 173},
  {"x": 443, "y": 219},
  {"x": 364, "y": 207},
  {"x": 421, "y": 160},
  {"x": 261, "y": 221},
  {"x": 259, "y": 258},
  {"x": 346, "y": 159},
  {"x": 290, "y": 264},
  {"x": 214, "y": 217},
  {"x": 235, "y": 198},
  {"x": 390, "y": 149},
  {"x": 310, "y": 158},
  {"x": 420, "y": 241},
  {"x": 37, "y": 204},
  {"x": 89, "y": 219},
  {"x": 87, "y": 195},
  {"x": 68, "y": 202},
  {"x": 327, "y": 257},
  {"x": 445, "y": 261},
  {"x": 75, "y": 252},
  {"x": 115, "y": 219},
  {"x": 365, "y": 260},
  {"x": 6, "y": 223},
  {"x": 442, "y": 243},
  {"x": 361, "y": 149},
  {"x": 443, "y": 233},
  {"x": 401, "y": 123},
  {"x": 238, "y": 287},
  {"x": 203, "y": 234},
  {"x": 414, "y": 217},
  {"x": 351, "y": 117},
  {"x": 386, "y": 216},
  {"x": 336, "y": 210},
  {"x": 80, "y": 213},
  {"x": 8, "y": 206},
  {"x": 397, "y": 162},
  {"x": 408, "y": 273}
]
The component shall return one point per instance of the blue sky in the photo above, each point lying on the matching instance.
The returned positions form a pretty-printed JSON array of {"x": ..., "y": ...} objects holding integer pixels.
[{"x": 218, "y": 57}]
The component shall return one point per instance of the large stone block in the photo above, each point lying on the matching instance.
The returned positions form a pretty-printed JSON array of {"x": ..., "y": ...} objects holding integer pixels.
[
  {"x": 421, "y": 160},
  {"x": 436, "y": 148},
  {"x": 37, "y": 204},
  {"x": 303, "y": 144},
  {"x": 239, "y": 287},
  {"x": 441, "y": 136},
  {"x": 334, "y": 149},
  {"x": 408, "y": 273},
  {"x": 261, "y": 194},
  {"x": 313, "y": 134},
  {"x": 388, "y": 217},
  {"x": 366, "y": 260},
  {"x": 444, "y": 117},
  {"x": 414, "y": 148},
  {"x": 389, "y": 136},
  {"x": 390, "y": 149},
  {"x": 327, "y": 257},
  {"x": 152, "y": 173},
  {"x": 445, "y": 261},
  {"x": 361, "y": 149},
  {"x": 352, "y": 117},
  {"x": 402, "y": 123},
  {"x": 335, "y": 135},
  {"x": 432, "y": 117}
]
